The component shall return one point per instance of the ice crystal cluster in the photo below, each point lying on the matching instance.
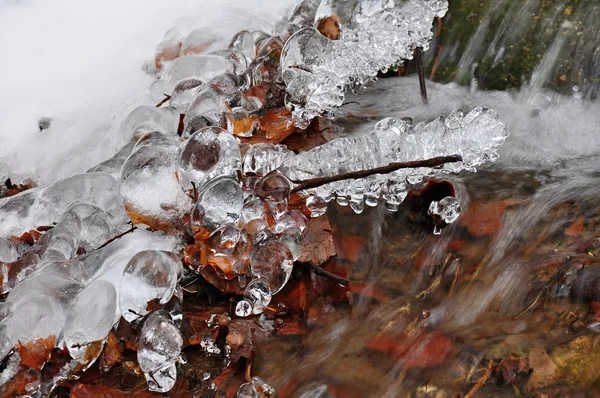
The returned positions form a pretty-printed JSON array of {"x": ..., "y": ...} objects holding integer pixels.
[
  {"x": 375, "y": 35},
  {"x": 197, "y": 170},
  {"x": 475, "y": 136}
]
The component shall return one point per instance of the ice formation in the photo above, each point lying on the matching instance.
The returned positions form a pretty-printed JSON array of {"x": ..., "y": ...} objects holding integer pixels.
[
  {"x": 475, "y": 136},
  {"x": 189, "y": 173},
  {"x": 159, "y": 348},
  {"x": 375, "y": 35}
]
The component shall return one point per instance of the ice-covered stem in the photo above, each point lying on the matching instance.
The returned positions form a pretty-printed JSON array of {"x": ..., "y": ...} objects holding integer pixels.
[
  {"x": 421, "y": 73},
  {"x": 320, "y": 181},
  {"x": 475, "y": 136}
]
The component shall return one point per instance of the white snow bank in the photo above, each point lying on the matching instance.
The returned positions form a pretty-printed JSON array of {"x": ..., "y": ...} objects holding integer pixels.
[{"x": 80, "y": 63}]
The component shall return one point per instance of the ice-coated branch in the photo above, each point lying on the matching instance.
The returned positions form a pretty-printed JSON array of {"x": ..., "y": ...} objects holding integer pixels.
[
  {"x": 320, "y": 181},
  {"x": 317, "y": 70},
  {"x": 475, "y": 137}
]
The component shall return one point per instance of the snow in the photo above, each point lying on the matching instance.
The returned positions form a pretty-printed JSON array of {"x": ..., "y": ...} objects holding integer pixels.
[{"x": 80, "y": 63}]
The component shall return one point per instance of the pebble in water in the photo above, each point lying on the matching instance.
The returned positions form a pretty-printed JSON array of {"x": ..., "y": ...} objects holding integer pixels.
[
  {"x": 149, "y": 275},
  {"x": 159, "y": 347}
]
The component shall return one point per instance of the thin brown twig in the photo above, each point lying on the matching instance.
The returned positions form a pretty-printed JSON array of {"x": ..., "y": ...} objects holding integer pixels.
[
  {"x": 421, "y": 73},
  {"x": 454, "y": 280},
  {"x": 326, "y": 274},
  {"x": 248, "y": 372},
  {"x": 319, "y": 181},
  {"x": 114, "y": 238},
  {"x": 532, "y": 304},
  {"x": 161, "y": 103},
  {"x": 481, "y": 381}
]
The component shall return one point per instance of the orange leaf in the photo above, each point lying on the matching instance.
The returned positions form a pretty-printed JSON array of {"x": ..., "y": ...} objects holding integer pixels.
[
  {"x": 317, "y": 245},
  {"x": 17, "y": 385},
  {"x": 96, "y": 391},
  {"x": 419, "y": 349},
  {"x": 242, "y": 126},
  {"x": 37, "y": 352},
  {"x": 575, "y": 229},
  {"x": 277, "y": 124},
  {"x": 111, "y": 355},
  {"x": 485, "y": 218},
  {"x": 167, "y": 52}
]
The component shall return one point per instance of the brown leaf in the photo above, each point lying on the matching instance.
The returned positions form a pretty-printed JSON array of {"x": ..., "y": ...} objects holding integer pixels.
[
  {"x": 317, "y": 245},
  {"x": 242, "y": 126},
  {"x": 226, "y": 286},
  {"x": 111, "y": 355},
  {"x": 330, "y": 27},
  {"x": 574, "y": 230},
  {"x": 420, "y": 349},
  {"x": 17, "y": 385},
  {"x": 37, "y": 352},
  {"x": 545, "y": 372},
  {"x": 167, "y": 52},
  {"x": 485, "y": 218},
  {"x": 277, "y": 124},
  {"x": 95, "y": 391}
]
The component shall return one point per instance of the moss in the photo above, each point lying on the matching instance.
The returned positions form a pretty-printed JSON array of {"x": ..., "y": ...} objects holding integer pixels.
[{"x": 508, "y": 40}]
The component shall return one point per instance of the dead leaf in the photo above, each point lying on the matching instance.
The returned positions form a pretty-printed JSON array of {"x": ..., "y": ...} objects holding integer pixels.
[
  {"x": 330, "y": 27},
  {"x": 95, "y": 391},
  {"x": 37, "y": 352},
  {"x": 165, "y": 53},
  {"x": 485, "y": 218},
  {"x": 419, "y": 349},
  {"x": 317, "y": 245},
  {"x": 545, "y": 372},
  {"x": 111, "y": 355},
  {"x": 277, "y": 124},
  {"x": 574, "y": 230},
  {"x": 17, "y": 385}
]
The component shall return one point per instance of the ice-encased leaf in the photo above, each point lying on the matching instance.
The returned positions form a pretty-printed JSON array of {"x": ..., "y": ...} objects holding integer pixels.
[
  {"x": 90, "y": 317},
  {"x": 149, "y": 275}
]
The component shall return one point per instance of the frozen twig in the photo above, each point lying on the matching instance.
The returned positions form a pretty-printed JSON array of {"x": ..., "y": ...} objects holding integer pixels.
[{"x": 319, "y": 181}]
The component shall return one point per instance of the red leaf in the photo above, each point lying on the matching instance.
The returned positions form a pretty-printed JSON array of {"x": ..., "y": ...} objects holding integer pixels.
[
  {"x": 419, "y": 349},
  {"x": 575, "y": 229},
  {"x": 485, "y": 218}
]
